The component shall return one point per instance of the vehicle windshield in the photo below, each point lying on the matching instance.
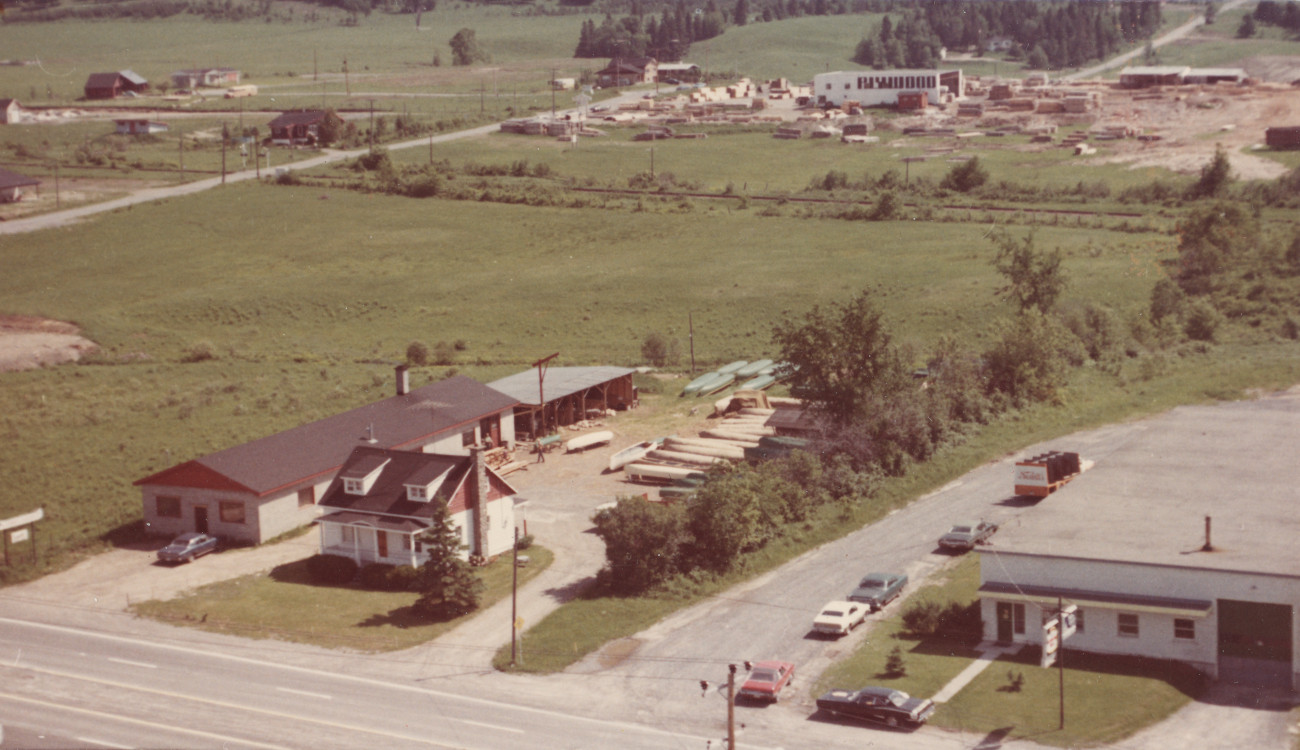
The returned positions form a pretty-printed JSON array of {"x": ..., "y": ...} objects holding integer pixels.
[
  {"x": 832, "y": 613},
  {"x": 961, "y": 530},
  {"x": 872, "y": 583},
  {"x": 898, "y": 698},
  {"x": 763, "y": 675}
]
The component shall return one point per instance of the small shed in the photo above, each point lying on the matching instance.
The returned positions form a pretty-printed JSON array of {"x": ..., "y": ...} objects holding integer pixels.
[
  {"x": 14, "y": 186},
  {"x": 10, "y": 111},
  {"x": 571, "y": 394},
  {"x": 140, "y": 127},
  {"x": 297, "y": 128},
  {"x": 104, "y": 86},
  {"x": 913, "y": 100},
  {"x": 1283, "y": 137}
]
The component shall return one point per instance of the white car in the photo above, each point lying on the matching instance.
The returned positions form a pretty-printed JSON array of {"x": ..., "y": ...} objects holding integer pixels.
[{"x": 839, "y": 618}]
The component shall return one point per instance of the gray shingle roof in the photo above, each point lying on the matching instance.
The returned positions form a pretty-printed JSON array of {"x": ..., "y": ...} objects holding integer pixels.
[{"x": 315, "y": 450}]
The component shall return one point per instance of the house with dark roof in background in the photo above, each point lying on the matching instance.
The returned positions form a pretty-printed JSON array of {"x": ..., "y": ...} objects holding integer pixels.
[
  {"x": 297, "y": 128},
  {"x": 13, "y": 186},
  {"x": 382, "y": 501},
  {"x": 261, "y": 489},
  {"x": 113, "y": 85}
]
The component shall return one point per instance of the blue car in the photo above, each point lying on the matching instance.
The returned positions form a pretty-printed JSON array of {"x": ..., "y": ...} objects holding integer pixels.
[
  {"x": 879, "y": 589},
  {"x": 186, "y": 547}
]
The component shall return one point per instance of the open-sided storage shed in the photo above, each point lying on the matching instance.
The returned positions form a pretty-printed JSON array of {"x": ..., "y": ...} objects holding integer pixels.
[{"x": 570, "y": 393}]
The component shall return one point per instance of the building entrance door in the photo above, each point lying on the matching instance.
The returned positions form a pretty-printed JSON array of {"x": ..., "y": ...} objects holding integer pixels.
[
  {"x": 201, "y": 519},
  {"x": 1004, "y": 622}
]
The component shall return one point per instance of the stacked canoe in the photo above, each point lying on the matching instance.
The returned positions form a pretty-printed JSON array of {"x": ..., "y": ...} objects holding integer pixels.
[{"x": 755, "y": 375}]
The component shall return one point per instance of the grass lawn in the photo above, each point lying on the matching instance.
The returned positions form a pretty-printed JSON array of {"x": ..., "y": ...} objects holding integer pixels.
[
  {"x": 1107, "y": 698},
  {"x": 287, "y": 605}
]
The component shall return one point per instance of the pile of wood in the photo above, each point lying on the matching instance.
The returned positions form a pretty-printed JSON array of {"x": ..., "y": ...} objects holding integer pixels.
[{"x": 788, "y": 133}]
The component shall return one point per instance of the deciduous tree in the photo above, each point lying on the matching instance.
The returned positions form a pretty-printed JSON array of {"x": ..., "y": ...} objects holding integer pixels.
[{"x": 1035, "y": 280}]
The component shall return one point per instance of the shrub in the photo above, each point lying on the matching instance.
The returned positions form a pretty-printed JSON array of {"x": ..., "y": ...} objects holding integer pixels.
[
  {"x": 402, "y": 578},
  {"x": 1202, "y": 321},
  {"x": 200, "y": 351},
  {"x": 894, "y": 666},
  {"x": 930, "y": 618},
  {"x": 658, "y": 349},
  {"x": 331, "y": 569},
  {"x": 524, "y": 542},
  {"x": 417, "y": 353},
  {"x": 965, "y": 177},
  {"x": 375, "y": 576}
]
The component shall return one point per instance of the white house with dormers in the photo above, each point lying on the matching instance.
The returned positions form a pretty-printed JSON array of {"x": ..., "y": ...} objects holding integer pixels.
[
  {"x": 258, "y": 490},
  {"x": 383, "y": 500},
  {"x": 1180, "y": 544}
]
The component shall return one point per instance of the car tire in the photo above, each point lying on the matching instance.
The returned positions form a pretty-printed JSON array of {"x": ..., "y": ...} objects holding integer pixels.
[{"x": 892, "y": 722}]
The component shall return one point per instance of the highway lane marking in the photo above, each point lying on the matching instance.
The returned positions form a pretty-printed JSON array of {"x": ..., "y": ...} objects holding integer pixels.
[
  {"x": 490, "y": 726},
  {"x": 105, "y": 743},
  {"x": 322, "y": 696},
  {"x": 152, "y": 725},
  {"x": 130, "y": 663},
  {"x": 191, "y": 652},
  {"x": 237, "y": 707}
]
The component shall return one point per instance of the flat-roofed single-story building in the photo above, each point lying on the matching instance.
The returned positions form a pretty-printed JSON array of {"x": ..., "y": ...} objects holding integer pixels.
[
  {"x": 1143, "y": 76},
  {"x": 14, "y": 186},
  {"x": 261, "y": 489},
  {"x": 1179, "y": 545},
  {"x": 882, "y": 88}
]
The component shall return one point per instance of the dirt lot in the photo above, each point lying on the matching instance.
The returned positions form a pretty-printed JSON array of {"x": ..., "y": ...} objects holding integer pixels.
[{"x": 27, "y": 343}]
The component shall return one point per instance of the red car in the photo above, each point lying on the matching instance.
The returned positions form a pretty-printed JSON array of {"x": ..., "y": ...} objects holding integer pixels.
[{"x": 766, "y": 680}]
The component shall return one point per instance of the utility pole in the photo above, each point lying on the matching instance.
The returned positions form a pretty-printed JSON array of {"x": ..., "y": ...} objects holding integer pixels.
[
  {"x": 1060, "y": 656},
  {"x": 223, "y": 160},
  {"x": 514, "y": 599},
  {"x": 552, "y": 93},
  {"x": 347, "y": 83},
  {"x": 690, "y": 323},
  {"x": 58, "y": 203},
  {"x": 372, "y": 125},
  {"x": 180, "y": 141},
  {"x": 731, "y": 707}
]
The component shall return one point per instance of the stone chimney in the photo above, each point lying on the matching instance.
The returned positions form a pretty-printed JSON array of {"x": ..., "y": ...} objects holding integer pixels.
[
  {"x": 403, "y": 380},
  {"x": 477, "y": 485}
]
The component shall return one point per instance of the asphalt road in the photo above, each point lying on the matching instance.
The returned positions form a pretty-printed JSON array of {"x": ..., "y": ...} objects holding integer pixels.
[
  {"x": 114, "y": 690},
  {"x": 1179, "y": 33}
]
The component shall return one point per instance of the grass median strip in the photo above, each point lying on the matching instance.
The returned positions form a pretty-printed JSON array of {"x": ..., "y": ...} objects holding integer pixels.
[{"x": 286, "y": 604}]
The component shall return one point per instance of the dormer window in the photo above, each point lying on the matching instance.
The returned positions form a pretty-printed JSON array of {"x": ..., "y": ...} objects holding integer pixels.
[
  {"x": 360, "y": 478},
  {"x": 423, "y": 486}
]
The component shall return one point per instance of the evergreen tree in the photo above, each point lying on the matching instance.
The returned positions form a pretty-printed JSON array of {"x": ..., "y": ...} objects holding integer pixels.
[
  {"x": 740, "y": 16},
  {"x": 447, "y": 584}
]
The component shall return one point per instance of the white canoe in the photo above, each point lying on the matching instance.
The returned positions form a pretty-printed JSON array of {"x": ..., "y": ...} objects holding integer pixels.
[
  {"x": 658, "y": 473},
  {"x": 703, "y": 448},
  {"x": 731, "y": 434},
  {"x": 732, "y": 368},
  {"x": 708, "y": 441},
  {"x": 680, "y": 457},
  {"x": 582, "y": 442},
  {"x": 632, "y": 453}
]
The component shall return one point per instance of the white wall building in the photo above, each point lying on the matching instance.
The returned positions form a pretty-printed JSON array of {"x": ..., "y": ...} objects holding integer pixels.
[
  {"x": 1127, "y": 543},
  {"x": 880, "y": 88}
]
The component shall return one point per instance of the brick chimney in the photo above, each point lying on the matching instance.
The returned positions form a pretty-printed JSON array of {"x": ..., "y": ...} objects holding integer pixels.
[
  {"x": 403, "y": 380},
  {"x": 478, "y": 502}
]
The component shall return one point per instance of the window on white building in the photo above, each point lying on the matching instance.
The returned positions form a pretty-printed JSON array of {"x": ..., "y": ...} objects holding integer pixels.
[
  {"x": 354, "y": 486},
  {"x": 349, "y": 534},
  {"x": 1184, "y": 629},
  {"x": 1128, "y": 625},
  {"x": 1018, "y": 619},
  {"x": 1078, "y": 620}
]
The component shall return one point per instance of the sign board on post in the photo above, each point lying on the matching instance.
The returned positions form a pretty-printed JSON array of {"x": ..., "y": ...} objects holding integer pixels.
[
  {"x": 1069, "y": 621},
  {"x": 20, "y": 535},
  {"x": 1051, "y": 641}
]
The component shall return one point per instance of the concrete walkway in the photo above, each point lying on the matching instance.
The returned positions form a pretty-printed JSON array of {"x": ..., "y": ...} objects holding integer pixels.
[{"x": 989, "y": 653}]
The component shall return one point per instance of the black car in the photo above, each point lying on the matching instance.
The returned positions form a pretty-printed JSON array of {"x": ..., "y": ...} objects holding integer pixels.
[
  {"x": 880, "y": 704},
  {"x": 186, "y": 547}
]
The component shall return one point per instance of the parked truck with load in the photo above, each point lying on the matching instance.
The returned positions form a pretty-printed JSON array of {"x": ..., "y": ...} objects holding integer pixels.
[{"x": 1045, "y": 473}]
